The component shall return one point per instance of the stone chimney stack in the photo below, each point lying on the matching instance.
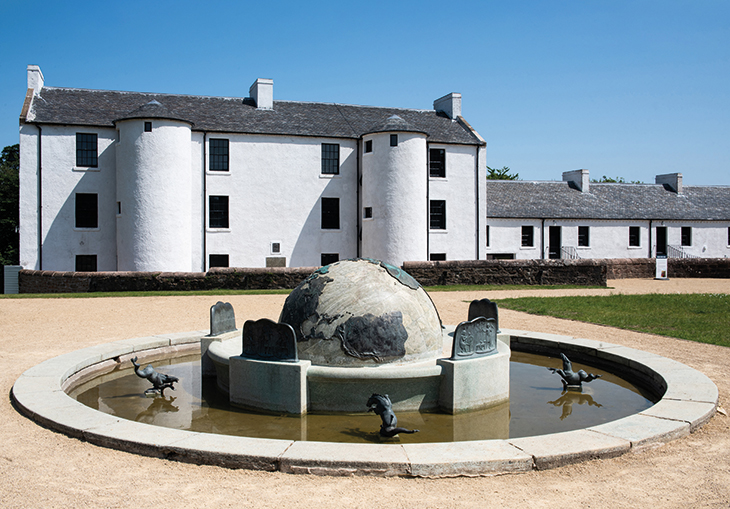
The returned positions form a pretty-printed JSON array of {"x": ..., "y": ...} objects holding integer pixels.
[
  {"x": 35, "y": 79},
  {"x": 450, "y": 104},
  {"x": 579, "y": 178},
  {"x": 673, "y": 180},
  {"x": 262, "y": 92}
]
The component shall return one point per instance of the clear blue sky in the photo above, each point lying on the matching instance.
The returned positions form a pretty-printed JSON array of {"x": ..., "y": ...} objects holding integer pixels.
[{"x": 628, "y": 88}]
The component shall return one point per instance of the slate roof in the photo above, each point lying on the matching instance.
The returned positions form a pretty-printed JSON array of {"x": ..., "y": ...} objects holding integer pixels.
[
  {"x": 560, "y": 200},
  {"x": 73, "y": 106}
]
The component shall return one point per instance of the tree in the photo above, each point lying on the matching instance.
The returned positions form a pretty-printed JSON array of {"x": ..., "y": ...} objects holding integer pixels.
[
  {"x": 614, "y": 180},
  {"x": 9, "y": 205},
  {"x": 501, "y": 174}
]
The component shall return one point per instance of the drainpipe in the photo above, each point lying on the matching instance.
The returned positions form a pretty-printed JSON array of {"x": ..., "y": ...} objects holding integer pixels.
[
  {"x": 476, "y": 181},
  {"x": 40, "y": 206},
  {"x": 650, "y": 227},
  {"x": 428, "y": 203},
  {"x": 359, "y": 199},
  {"x": 205, "y": 197}
]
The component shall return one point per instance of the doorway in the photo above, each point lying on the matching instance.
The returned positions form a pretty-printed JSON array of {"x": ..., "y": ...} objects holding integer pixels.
[
  {"x": 555, "y": 242},
  {"x": 661, "y": 241}
]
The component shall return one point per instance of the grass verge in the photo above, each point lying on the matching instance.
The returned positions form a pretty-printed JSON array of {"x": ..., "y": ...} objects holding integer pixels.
[{"x": 696, "y": 317}]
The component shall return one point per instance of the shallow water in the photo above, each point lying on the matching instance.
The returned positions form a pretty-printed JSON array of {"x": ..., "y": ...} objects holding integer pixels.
[{"x": 538, "y": 405}]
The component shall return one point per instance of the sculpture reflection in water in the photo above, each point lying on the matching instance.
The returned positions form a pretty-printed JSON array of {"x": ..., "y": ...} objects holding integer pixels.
[
  {"x": 158, "y": 406},
  {"x": 569, "y": 398},
  {"x": 381, "y": 405},
  {"x": 572, "y": 380},
  {"x": 159, "y": 381}
]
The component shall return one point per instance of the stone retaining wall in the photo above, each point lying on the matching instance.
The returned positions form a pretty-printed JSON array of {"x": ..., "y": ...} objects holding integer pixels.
[{"x": 500, "y": 272}]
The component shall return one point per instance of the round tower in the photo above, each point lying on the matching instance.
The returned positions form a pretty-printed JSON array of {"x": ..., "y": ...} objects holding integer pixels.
[
  {"x": 154, "y": 191},
  {"x": 395, "y": 193}
]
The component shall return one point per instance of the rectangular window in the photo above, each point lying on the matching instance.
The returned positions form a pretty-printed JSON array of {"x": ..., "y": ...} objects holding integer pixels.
[
  {"x": 686, "y": 235},
  {"x": 275, "y": 247},
  {"x": 437, "y": 162},
  {"x": 367, "y": 213},
  {"x": 217, "y": 260},
  {"x": 328, "y": 258},
  {"x": 528, "y": 236},
  {"x": 437, "y": 257},
  {"x": 218, "y": 159},
  {"x": 86, "y": 150},
  {"x": 330, "y": 213},
  {"x": 393, "y": 140},
  {"x": 218, "y": 211},
  {"x": 85, "y": 263},
  {"x": 148, "y": 127},
  {"x": 87, "y": 210},
  {"x": 368, "y": 146},
  {"x": 487, "y": 235},
  {"x": 119, "y": 208},
  {"x": 438, "y": 215},
  {"x": 634, "y": 236},
  {"x": 584, "y": 236},
  {"x": 330, "y": 159}
]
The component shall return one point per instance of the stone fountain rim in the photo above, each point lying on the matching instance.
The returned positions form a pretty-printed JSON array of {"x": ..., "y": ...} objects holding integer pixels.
[{"x": 690, "y": 400}]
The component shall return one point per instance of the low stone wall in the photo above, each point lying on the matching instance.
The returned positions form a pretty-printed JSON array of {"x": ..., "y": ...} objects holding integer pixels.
[
  {"x": 503, "y": 272},
  {"x": 35, "y": 281},
  {"x": 480, "y": 272},
  {"x": 633, "y": 268}
]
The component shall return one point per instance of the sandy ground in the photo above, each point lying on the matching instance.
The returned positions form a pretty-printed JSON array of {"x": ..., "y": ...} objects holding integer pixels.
[{"x": 42, "y": 468}]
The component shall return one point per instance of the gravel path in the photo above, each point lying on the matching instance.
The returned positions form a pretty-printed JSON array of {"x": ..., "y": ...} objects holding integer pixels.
[{"x": 41, "y": 468}]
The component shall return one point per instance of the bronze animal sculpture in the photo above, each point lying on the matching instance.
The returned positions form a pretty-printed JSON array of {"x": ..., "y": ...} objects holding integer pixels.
[
  {"x": 570, "y": 378},
  {"x": 381, "y": 405},
  {"x": 159, "y": 381}
]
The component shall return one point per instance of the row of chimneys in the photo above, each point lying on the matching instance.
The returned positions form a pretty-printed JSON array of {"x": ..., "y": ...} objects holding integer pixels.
[
  {"x": 262, "y": 92},
  {"x": 579, "y": 178}
]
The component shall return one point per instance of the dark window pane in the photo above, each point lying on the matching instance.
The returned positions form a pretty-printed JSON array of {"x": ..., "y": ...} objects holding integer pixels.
[
  {"x": 218, "y": 212},
  {"x": 487, "y": 235},
  {"x": 368, "y": 146},
  {"x": 367, "y": 213},
  {"x": 438, "y": 214},
  {"x": 87, "y": 211},
  {"x": 437, "y": 162},
  {"x": 686, "y": 235},
  {"x": 218, "y": 159},
  {"x": 393, "y": 140},
  {"x": 528, "y": 237},
  {"x": 330, "y": 159},
  {"x": 86, "y": 150},
  {"x": 328, "y": 258},
  {"x": 634, "y": 236},
  {"x": 584, "y": 239},
  {"x": 148, "y": 127},
  {"x": 437, "y": 257},
  {"x": 330, "y": 213},
  {"x": 217, "y": 260},
  {"x": 85, "y": 263}
]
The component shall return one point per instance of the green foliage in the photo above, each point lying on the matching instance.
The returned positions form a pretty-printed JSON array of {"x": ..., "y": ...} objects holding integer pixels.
[
  {"x": 696, "y": 317},
  {"x": 9, "y": 203},
  {"x": 615, "y": 180},
  {"x": 501, "y": 174}
]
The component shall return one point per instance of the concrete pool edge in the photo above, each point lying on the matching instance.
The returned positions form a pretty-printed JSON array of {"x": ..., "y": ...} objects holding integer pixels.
[{"x": 690, "y": 400}]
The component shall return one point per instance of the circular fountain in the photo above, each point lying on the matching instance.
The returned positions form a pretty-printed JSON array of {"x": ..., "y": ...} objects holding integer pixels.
[{"x": 324, "y": 354}]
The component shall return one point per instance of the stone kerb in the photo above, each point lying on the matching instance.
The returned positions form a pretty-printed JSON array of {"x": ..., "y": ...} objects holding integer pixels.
[{"x": 690, "y": 401}]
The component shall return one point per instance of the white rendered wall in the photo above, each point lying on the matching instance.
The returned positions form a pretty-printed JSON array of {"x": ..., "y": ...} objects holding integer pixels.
[
  {"x": 460, "y": 190},
  {"x": 709, "y": 238},
  {"x": 275, "y": 186},
  {"x": 154, "y": 187},
  {"x": 394, "y": 184},
  {"x": 61, "y": 179}
]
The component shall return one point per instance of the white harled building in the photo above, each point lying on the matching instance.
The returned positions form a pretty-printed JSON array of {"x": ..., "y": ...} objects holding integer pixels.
[{"x": 128, "y": 181}]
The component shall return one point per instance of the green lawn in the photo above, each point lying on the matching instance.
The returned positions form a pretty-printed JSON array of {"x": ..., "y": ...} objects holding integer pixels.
[{"x": 697, "y": 317}]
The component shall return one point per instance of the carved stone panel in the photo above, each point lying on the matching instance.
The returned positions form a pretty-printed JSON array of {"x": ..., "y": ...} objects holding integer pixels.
[
  {"x": 475, "y": 338},
  {"x": 485, "y": 308},
  {"x": 270, "y": 341},
  {"x": 222, "y": 318}
]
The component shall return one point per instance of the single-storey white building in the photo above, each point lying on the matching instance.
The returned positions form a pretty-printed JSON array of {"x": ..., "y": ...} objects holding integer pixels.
[
  {"x": 577, "y": 218},
  {"x": 157, "y": 182}
]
